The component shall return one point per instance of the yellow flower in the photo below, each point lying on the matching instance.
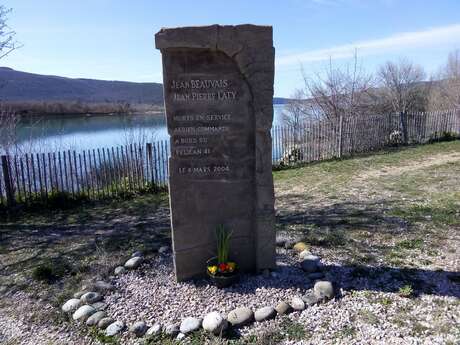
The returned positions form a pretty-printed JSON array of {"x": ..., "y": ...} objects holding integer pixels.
[
  {"x": 231, "y": 266},
  {"x": 212, "y": 269}
]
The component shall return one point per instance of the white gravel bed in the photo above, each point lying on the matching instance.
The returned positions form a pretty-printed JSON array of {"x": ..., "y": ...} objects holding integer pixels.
[{"x": 152, "y": 295}]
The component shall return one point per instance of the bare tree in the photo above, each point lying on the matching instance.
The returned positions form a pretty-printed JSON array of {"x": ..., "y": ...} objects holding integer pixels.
[
  {"x": 404, "y": 89},
  {"x": 296, "y": 112},
  {"x": 341, "y": 91},
  {"x": 8, "y": 42},
  {"x": 8, "y": 118},
  {"x": 447, "y": 94},
  {"x": 403, "y": 85}
]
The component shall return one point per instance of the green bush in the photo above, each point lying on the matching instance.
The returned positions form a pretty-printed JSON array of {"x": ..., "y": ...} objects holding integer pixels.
[{"x": 51, "y": 270}]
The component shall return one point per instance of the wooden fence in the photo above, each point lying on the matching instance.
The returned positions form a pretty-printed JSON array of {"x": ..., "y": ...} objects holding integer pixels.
[
  {"x": 92, "y": 174},
  {"x": 111, "y": 172},
  {"x": 320, "y": 140}
]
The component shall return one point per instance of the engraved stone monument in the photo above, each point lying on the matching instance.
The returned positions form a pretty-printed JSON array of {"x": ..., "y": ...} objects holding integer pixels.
[{"x": 218, "y": 90}]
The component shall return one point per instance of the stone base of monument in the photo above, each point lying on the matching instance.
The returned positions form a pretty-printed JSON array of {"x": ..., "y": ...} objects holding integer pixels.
[{"x": 222, "y": 280}]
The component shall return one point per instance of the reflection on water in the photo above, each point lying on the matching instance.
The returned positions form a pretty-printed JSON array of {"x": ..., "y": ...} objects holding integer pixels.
[{"x": 53, "y": 133}]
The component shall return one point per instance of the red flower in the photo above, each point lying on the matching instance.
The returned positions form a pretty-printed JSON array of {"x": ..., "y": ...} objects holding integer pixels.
[{"x": 223, "y": 267}]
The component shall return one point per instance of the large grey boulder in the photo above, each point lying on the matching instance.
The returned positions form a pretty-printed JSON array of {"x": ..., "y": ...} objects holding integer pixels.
[
  {"x": 214, "y": 323},
  {"x": 310, "y": 299},
  {"x": 94, "y": 319},
  {"x": 154, "y": 330},
  {"x": 71, "y": 305},
  {"x": 323, "y": 289},
  {"x": 283, "y": 308},
  {"x": 240, "y": 316},
  {"x": 119, "y": 270},
  {"x": 105, "y": 322},
  {"x": 190, "y": 324},
  {"x": 138, "y": 328},
  {"x": 172, "y": 329},
  {"x": 83, "y": 313},
  {"x": 297, "y": 303},
  {"x": 134, "y": 262},
  {"x": 114, "y": 328},
  {"x": 264, "y": 313},
  {"x": 91, "y": 297}
]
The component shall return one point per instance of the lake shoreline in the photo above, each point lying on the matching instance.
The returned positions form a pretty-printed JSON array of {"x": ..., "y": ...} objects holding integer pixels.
[{"x": 157, "y": 112}]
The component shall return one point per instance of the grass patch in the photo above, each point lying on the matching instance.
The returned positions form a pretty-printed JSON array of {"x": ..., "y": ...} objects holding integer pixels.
[
  {"x": 440, "y": 212},
  {"x": 100, "y": 336},
  {"x": 325, "y": 237},
  {"x": 368, "y": 317},
  {"x": 292, "y": 330},
  {"x": 410, "y": 244},
  {"x": 347, "y": 332},
  {"x": 385, "y": 301}
]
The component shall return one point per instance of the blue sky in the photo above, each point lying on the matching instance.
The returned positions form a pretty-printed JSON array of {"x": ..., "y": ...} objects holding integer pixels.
[{"x": 113, "y": 39}]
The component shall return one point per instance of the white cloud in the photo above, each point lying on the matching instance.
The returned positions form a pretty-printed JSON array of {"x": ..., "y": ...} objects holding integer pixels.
[{"x": 400, "y": 41}]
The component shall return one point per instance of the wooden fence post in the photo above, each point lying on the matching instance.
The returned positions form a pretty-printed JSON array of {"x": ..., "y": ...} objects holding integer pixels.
[
  {"x": 151, "y": 164},
  {"x": 403, "y": 116},
  {"x": 340, "y": 136},
  {"x": 8, "y": 181}
]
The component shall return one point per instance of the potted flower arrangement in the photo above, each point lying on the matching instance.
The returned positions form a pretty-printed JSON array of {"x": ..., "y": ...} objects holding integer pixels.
[{"x": 222, "y": 272}]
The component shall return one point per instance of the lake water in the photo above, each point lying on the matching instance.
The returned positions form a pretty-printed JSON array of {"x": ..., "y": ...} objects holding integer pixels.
[{"x": 53, "y": 133}]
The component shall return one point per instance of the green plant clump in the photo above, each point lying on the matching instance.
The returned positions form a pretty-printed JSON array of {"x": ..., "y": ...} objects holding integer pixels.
[
  {"x": 223, "y": 244},
  {"x": 406, "y": 291}
]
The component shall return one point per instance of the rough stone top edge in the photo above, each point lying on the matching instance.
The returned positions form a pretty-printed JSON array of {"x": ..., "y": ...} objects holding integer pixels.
[{"x": 208, "y": 36}]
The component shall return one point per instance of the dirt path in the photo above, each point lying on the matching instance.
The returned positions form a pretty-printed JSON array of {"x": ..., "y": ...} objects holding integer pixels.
[{"x": 439, "y": 159}]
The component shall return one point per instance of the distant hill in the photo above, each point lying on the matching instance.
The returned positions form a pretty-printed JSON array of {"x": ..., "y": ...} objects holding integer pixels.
[
  {"x": 36, "y": 94},
  {"x": 280, "y": 100},
  {"x": 21, "y": 86}
]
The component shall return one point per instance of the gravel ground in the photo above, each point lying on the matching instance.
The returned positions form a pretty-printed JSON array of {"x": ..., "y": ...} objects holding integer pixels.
[
  {"x": 152, "y": 295},
  {"x": 366, "y": 311}
]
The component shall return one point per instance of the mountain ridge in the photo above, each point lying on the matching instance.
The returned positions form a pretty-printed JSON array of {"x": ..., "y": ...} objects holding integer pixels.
[{"x": 18, "y": 86}]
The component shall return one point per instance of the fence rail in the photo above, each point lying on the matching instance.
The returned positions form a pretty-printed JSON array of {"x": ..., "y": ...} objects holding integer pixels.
[{"x": 110, "y": 172}]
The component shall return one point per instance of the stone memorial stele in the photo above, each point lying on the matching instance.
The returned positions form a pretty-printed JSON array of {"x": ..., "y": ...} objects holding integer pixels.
[{"x": 218, "y": 91}]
